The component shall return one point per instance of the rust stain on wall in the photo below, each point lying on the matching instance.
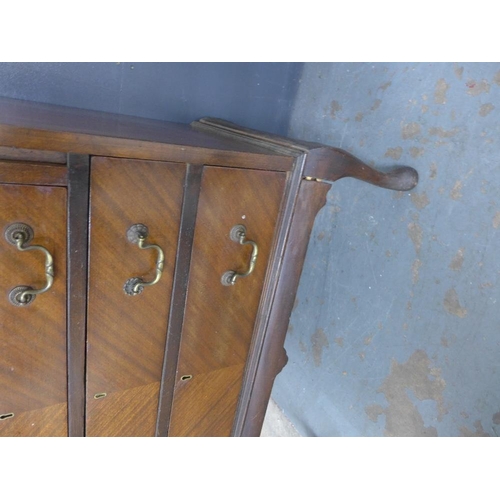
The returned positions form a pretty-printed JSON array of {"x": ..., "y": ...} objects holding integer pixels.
[
  {"x": 335, "y": 107},
  {"x": 339, "y": 341},
  {"x": 318, "y": 341},
  {"x": 434, "y": 171},
  {"x": 376, "y": 104},
  {"x": 456, "y": 191},
  {"x": 486, "y": 109},
  {"x": 440, "y": 91},
  {"x": 476, "y": 88},
  {"x": 374, "y": 411},
  {"x": 420, "y": 201},
  {"x": 452, "y": 305},
  {"x": 441, "y": 132},
  {"x": 457, "y": 261},
  {"x": 415, "y": 270},
  {"x": 479, "y": 432},
  {"x": 410, "y": 130},
  {"x": 496, "y": 220},
  {"x": 459, "y": 71},
  {"x": 385, "y": 85},
  {"x": 394, "y": 153},
  {"x": 416, "y": 152},
  {"x": 359, "y": 117},
  {"x": 402, "y": 417},
  {"x": 415, "y": 232}
]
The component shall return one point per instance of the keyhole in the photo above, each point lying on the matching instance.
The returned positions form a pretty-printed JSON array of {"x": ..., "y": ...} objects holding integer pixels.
[
  {"x": 5, "y": 416},
  {"x": 100, "y": 395},
  {"x": 186, "y": 377}
]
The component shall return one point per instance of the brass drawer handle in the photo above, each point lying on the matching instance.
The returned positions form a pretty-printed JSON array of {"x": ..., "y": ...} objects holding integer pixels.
[
  {"x": 20, "y": 234},
  {"x": 137, "y": 234},
  {"x": 238, "y": 234}
]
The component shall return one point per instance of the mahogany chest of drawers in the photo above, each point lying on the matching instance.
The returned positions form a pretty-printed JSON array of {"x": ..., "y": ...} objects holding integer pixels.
[{"x": 148, "y": 269}]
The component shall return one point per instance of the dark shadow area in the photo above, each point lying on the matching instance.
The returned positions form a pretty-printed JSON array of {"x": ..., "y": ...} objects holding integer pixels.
[{"x": 256, "y": 95}]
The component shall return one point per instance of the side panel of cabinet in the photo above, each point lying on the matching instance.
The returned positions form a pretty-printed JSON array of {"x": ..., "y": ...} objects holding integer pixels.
[
  {"x": 33, "y": 367},
  {"x": 126, "y": 334},
  {"x": 219, "y": 320}
]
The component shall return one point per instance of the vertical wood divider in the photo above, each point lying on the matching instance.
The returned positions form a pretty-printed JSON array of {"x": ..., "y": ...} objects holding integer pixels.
[
  {"x": 192, "y": 187},
  {"x": 78, "y": 216}
]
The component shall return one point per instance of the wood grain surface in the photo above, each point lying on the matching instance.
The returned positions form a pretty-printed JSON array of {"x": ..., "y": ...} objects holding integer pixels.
[
  {"x": 126, "y": 334},
  {"x": 42, "y": 174},
  {"x": 219, "y": 319},
  {"x": 33, "y": 373}
]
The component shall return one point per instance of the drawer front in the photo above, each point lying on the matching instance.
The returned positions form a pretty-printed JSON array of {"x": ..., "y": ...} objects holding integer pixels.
[
  {"x": 33, "y": 366},
  {"x": 219, "y": 320},
  {"x": 126, "y": 333}
]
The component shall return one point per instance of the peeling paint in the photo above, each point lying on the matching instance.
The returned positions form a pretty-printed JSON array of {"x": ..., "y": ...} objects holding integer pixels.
[
  {"x": 376, "y": 104},
  {"x": 339, "y": 341},
  {"x": 388, "y": 253},
  {"x": 434, "y": 171},
  {"x": 496, "y": 418},
  {"x": 361, "y": 355},
  {"x": 410, "y": 130},
  {"x": 402, "y": 417},
  {"x": 457, "y": 261},
  {"x": 359, "y": 117},
  {"x": 302, "y": 346},
  {"x": 479, "y": 432},
  {"x": 452, "y": 304},
  {"x": 416, "y": 152},
  {"x": 456, "y": 191},
  {"x": 444, "y": 341},
  {"x": 424, "y": 108},
  {"x": 373, "y": 412},
  {"x": 335, "y": 107},
  {"x": 394, "y": 153},
  {"x": 440, "y": 91},
  {"x": 496, "y": 79},
  {"x": 476, "y": 88},
  {"x": 441, "y": 132},
  {"x": 459, "y": 71},
  {"x": 318, "y": 341},
  {"x": 415, "y": 232},
  {"x": 420, "y": 201},
  {"x": 486, "y": 109},
  {"x": 368, "y": 340},
  {"x": 385, "y": 85},
  {"x": 321, "y": 235},
  {"x": 496, "y": 220},
  {"x": 415, "y": 270}
]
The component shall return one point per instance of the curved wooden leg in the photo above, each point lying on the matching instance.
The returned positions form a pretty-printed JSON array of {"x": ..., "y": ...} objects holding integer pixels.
[{"x": 333, "y": 164}]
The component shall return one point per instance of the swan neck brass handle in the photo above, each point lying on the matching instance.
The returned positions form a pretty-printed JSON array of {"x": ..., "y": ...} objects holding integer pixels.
[
  {"x": 137, "y": 234},
  {"x": 20, "y": 235},
  {"x": 238, "y": 234}
]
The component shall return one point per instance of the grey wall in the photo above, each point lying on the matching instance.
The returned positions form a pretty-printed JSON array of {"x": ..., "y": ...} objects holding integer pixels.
[
  {"x": 257, "y": 95},
  {"x": 396, "y": 329}
]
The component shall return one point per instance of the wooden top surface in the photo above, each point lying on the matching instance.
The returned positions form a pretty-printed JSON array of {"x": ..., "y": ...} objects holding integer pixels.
[{"x": 59, "y": 126}]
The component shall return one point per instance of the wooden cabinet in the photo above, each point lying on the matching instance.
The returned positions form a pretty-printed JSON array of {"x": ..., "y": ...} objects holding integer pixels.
[{"x": 176, "y": 253}]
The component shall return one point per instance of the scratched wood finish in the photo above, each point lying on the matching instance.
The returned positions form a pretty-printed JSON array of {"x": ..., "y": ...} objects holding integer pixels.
[
  {"x": 219, "y": 320},
  {"x": 126, "y": 335},
  {"x": 33, "y": 373}
]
